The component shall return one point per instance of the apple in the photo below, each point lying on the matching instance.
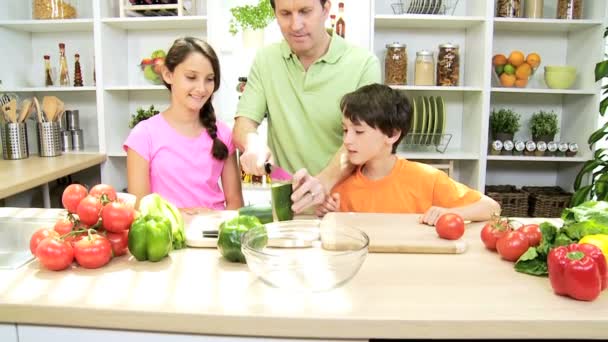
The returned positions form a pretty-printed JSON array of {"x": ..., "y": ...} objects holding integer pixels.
[
  {"x": 144, "y": 62},
  {"x": 158, "y": 65}
]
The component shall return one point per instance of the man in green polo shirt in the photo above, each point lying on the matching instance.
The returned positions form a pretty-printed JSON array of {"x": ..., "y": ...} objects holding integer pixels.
[{"x": 299, "y": 82}]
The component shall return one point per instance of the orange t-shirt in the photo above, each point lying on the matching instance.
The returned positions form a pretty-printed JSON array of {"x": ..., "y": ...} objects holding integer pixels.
[{"x": 411, "y": 187}]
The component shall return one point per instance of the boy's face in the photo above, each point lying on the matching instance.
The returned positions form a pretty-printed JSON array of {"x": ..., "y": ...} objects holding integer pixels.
[{"x": 365, "y": 143}]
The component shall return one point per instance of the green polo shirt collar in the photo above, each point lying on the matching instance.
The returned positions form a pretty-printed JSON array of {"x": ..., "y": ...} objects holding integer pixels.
[{"x": 337, "y": 47}]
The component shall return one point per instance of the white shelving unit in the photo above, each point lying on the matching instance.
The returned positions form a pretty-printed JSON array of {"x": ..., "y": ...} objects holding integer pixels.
[
  {"x": 114, "y": 45},
  {"x": 480, "y": 35}
]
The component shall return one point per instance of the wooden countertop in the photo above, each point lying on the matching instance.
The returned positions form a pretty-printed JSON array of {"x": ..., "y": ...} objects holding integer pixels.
[
  {"x": 23, "y": 174},
  {"x": 470, "y": 295}
]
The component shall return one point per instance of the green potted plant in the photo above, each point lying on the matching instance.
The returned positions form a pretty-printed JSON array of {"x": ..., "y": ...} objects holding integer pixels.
[
  {"x": 251, "y": 20},
  {"x": 503, "y": 124},
  {"x": 543, "y": 126},
  {"x": 595, "y": 169},
  {"x": 142, "y": 115}
]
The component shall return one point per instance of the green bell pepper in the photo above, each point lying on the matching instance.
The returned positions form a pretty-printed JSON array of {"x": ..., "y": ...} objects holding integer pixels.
[
  {"x": 154, "y": 204},
  {"x": 230, "y": 233},
  {"x": 150, "y": 238}
]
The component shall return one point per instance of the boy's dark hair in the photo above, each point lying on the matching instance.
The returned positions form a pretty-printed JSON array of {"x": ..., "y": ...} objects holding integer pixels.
[
  {"x": 381, "y": 107},
  {"x": 179, "y": 51},
  {"x": 272, "y": 3}
]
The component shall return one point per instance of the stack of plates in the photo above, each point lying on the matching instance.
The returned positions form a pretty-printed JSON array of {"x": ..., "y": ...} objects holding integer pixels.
[
  {"x": 428, "y": 120},
  {"x": 424, "y": 6}
]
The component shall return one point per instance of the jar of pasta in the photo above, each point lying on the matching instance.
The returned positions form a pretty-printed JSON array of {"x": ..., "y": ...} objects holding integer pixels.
[
  {"x": 508, "y": 8},
  {"x": 448, "y": 65},
  {"x": 54, "y": 9},
  {"x": 569, "y": 9},
  {"x": 395, "y": 64}
]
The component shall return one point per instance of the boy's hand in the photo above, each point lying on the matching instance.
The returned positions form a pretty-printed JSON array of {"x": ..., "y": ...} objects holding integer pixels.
[
  {"x": 432, "y": 215},
  {"x": 331, "y": 204},
  {"x": 307, "y": 191}
]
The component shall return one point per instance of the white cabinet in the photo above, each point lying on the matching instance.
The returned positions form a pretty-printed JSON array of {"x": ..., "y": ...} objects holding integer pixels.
[{"x": 8, "y": 333}]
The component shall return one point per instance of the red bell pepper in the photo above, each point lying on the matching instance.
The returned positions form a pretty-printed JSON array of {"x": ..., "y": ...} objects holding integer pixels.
[{"x": 577, "y": 271}]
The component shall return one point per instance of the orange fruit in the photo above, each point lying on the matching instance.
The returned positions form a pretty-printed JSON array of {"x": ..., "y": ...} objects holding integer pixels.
[
  {"x": 499, "y": 59},
  {"x": 523, "y": 71},
  {"x": 521, "y": 83},
  {"x": 507, "y": 80},
  {"x": 533, "y": 59},
  {"x": 516, "y": 58}
]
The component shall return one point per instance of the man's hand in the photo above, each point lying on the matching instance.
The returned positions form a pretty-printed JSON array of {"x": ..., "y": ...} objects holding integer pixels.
[
  {"x": 307, "y": 191},
  {"x": 432, "y": 215},
  {"x": 331, "y": 204},
  {"x": 254, "y": 157}
]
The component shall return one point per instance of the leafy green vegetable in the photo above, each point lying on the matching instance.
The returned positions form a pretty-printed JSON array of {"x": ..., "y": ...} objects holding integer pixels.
[
  {"x": 531, "y": 263},
  {"x": 142, "y": 115}
]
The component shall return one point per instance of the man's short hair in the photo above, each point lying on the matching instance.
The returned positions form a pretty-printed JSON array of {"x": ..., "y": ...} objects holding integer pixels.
[{"x": 272, "y": 3}]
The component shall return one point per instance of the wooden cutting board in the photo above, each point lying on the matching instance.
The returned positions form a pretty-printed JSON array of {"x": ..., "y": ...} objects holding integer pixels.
[
  {"x": 388, "y": 233},
  {"x": 396, "y": 233}
]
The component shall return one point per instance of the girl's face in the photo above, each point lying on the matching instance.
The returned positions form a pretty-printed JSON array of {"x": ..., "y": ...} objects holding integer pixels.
[
  {"x": 365, "y": 143},
  {"x": 192, "y": 82}
]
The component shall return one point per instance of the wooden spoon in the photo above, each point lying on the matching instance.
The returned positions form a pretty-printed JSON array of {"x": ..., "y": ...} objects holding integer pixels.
[
  {"x": 13, "y": 110},
  {"x": 38, "y": 112},
  {"x": 49, "y": 107},
  {"x": 60, "y": 109},
  {"x": 26, "y": 106}
]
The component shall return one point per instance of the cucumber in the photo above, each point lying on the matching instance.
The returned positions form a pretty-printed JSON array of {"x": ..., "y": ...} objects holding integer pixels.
[
  {"x": 281, "y": 201},
  {"x": 262, "y": 211}
]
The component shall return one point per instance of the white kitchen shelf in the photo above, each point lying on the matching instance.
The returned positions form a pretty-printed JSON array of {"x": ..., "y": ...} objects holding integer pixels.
[
  {"x": 543, "y": 25},
  {"x": 574, "y": 159},
  {"x": 46, "y": 89},
  {"x": 426, "y": 21},
  {"x": 136, "y": 88},
  {"x": 43, "y": 26},
  {"x": 157, "y": 23},
  {"x": 437, "y": 88},
  {"x": 545, "y": 91}
]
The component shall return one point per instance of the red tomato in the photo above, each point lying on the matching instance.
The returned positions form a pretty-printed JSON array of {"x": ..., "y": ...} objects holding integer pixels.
[
  {"x": 55, "y": 254},
  {"x": 119, "y": 242},
  {"x": 93, "y": 251},
  {"x": 117, "y": 217},
  {"x": 450, "y": 226},
  {"x": 89, "y": 210},
  {"x": 103, "y": 189},
  {"x": 512, "y": 245},
  {"x": 72, "y": 195},
  {"x": 40, "y": 235},
  {"x": 493, "y": 231},
  {"x": 72, "y": 239},
  {"x": 533, "y": 233},
  {"x": 63, "y": 226}
]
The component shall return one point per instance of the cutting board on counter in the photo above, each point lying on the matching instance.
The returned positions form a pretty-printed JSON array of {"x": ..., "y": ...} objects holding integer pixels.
[{"x": 388, "y": 233}]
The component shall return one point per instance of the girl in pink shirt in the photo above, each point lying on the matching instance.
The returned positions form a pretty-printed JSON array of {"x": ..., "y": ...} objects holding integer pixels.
[{"x": 184, "y": 152}]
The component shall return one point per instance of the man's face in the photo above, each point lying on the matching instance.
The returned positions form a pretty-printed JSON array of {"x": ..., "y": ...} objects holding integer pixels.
[{"x": 302, "y": 23}]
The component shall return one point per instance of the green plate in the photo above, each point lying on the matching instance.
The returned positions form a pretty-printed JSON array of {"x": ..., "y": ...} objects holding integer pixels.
[
  {"x": 424, "y": 124},
  {"x": 414, "y": 123},
  {"x": 433, "y": 129},
  {"x": 441, "y": 108}
]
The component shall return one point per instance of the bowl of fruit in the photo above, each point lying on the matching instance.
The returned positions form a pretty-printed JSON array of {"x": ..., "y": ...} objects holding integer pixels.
[
  {"x": 515, "y": 70},
  {"x": 152, "y": 66}
]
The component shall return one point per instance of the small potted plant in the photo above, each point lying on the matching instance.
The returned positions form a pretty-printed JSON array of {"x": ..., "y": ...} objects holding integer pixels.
[
  {"x": 251, "y": 20},
  {"x": 142, "y": 115},
  {"x": 503, "y": 124},
  {"x": 543, "y": 126}
]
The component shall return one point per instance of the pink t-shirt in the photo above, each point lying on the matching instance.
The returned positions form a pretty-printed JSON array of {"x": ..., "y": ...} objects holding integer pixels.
[{"x": 182, "y": 169}]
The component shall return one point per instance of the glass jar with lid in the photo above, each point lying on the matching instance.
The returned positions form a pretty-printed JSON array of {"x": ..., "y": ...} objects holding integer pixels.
[
  {"x": 508, "y": 8},
  {"x": 424, "y": 73},
  {"x": 448, "y": 65},
  {"x": 395, "y": 64},
  {"x": 54, "y": 9},
  {"x": 569, "y": 9}
]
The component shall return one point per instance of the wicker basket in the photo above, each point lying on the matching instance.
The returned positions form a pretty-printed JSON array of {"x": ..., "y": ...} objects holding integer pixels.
[
  {"x": 547, "y": 201},
  {"x": 514, "y": 202}
]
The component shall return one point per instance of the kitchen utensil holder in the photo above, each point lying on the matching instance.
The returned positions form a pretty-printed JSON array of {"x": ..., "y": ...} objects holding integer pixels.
[
  {"x": 73, "y": 121},
  {"x": 49, "y": 139},
  {"x": 77, "y": 140},
  {"x": 14, "y": 141}
]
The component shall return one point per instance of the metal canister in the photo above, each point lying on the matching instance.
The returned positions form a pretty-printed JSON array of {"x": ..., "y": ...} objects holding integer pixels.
[
  {"x": 562, "y": 148},
  {"x": 66, "y": 141},
  {"x": 541, "y": 147},
  {"x": 496, "y": 147},
  {"x": 73, "y": 121},
  {"x": 77, "y": 140},
  {"x": 530, "y": 148},
  {"x": 572, "y": 150},
  {"x": 507, "y": 148},
  {"x": 520, "y": 146},
  {"x": 551, "y": 148}
]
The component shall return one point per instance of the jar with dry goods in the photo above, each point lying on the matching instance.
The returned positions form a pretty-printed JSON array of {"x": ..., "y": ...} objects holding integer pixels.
[
  {"x": 395, "y": 64},
  {"x": 448, "y": 65},
  {"x": 54, "y": 9},
  {"x": 508, "y": 8},
  {"x": 424, "y": 74},
  {"x": 569, "y": 9}
]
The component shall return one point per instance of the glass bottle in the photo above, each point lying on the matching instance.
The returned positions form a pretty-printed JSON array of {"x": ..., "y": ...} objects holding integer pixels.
[
  {"x": 395, "y": 64},
  {"x": 340, "y": 24},
  {"x": 533, "y": 8},
  {"x": 508, "y": 8},
  {"x": 424, "y": 73},
  {"x": 64, "y": 76},
  {"x": 569, "y": 9},
  {"x": 448, "y": 65},
  {"x": 48, "y": 77},
  {"x": 77, "y": 72}
]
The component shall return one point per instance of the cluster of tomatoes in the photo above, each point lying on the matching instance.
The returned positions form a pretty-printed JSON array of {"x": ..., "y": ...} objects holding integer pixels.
[
  {"x": 94, "y": 230},
  {"x": 500, "y": 235}
]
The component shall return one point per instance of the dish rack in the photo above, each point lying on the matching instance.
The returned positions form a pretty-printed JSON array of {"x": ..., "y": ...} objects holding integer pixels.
[
  {"x": 423, "y": 141},
  {"x": 436, "y": 7},
  {"x": 153, "y": 8}
]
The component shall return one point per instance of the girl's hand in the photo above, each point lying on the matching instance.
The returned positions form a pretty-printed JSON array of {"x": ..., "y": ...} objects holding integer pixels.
[
  {"x": 331, "y": 204},
  {"x": 431, "y": 216}
]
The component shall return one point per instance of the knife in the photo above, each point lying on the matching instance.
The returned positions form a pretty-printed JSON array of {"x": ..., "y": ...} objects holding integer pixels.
[{"x": 276, "y": 173}]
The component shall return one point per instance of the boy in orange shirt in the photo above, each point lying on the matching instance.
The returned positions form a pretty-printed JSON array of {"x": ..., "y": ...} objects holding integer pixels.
[{"x": 375, "y": 119}]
